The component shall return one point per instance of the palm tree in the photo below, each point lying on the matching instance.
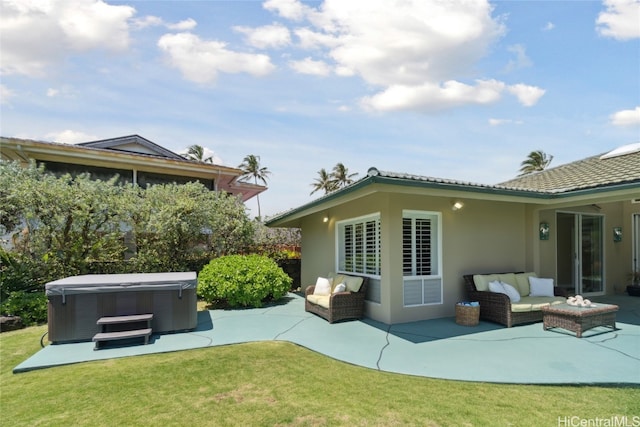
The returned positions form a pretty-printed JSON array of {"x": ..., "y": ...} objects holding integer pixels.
[
  {"x": 536, "y": 161},
  {"x": 196, "y": 152},
  {"x": 324, "y": 182},
  {"x": 250, "y": 167},
  {"x": 341, "y": 176}
]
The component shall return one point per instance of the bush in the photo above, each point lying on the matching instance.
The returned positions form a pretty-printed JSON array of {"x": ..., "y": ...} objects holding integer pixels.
[
  {"x": 242, "y": 280},
  {"x": 30, "y": 306}
]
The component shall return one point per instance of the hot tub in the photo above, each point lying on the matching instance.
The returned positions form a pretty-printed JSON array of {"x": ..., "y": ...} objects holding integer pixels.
[{"x": 77, "y": 302}]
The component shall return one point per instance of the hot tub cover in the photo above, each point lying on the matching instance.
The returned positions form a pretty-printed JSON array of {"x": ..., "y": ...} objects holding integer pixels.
[{"x": 103, "y": 283}]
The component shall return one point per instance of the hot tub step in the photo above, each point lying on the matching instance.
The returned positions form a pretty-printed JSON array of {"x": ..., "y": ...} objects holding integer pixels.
[
  {"x": 112, "y": 320},
  {"x": 121, "y": 335}
]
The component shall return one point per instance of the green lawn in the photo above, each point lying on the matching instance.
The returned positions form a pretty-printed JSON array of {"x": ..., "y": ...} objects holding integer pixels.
[{"x": 274, "y": 383}]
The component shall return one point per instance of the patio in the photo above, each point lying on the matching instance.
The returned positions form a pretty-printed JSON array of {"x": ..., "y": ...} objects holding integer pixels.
[{"x": 433, "y": 348}]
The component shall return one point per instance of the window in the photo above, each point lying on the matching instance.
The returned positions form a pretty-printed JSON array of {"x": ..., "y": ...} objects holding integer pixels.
[
  {"x": 359, "y": 245},
  {"x": 421, "y": 250}
]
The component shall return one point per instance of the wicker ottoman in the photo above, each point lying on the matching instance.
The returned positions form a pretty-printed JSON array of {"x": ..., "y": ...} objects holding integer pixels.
[{"x": 579, "y": 319}]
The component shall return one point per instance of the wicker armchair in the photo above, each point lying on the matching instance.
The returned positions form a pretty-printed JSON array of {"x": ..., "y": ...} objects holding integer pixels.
[
  {"x": 496, "y": 307},
  {"x": 342, "y": 305}
]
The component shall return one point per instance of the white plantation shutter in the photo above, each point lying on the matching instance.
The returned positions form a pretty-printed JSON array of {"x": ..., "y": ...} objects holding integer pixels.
[
  {"x": 359, "y": 245},
  {"x": 420, "y": 258}
]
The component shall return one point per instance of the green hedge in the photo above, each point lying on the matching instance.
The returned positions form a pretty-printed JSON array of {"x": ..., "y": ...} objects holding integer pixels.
[{"x": 242, "y": 280}]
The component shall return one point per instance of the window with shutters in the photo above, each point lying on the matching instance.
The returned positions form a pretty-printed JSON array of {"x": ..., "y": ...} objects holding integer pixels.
[
  {"x": 421, "y": 262},
  {"x": 359, "y": 245}
]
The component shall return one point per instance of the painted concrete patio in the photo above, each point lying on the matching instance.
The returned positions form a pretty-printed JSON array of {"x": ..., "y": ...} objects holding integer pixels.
[{"x": 434, "y": 348}]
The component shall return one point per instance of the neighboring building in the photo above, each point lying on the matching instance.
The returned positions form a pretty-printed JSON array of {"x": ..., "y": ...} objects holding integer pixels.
[
  {"x": 134, "y": 158},
  {"x": 416, "y": 236}
]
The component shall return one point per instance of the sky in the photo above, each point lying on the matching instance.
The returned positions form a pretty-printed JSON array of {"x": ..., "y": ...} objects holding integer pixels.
[{"x": 461, "y": 90}]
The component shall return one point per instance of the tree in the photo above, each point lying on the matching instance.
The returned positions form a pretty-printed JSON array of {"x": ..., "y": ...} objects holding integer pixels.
[
  {"x": 536, "y": 161},
  {"x": 324, "y": 182},
  {"x": 341, "y": 176},
  {"x": 251, "y": 168},
  {"x": 196, "y": 152}
]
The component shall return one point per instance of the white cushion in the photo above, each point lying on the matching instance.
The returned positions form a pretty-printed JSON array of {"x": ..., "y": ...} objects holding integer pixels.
[
  {"x": 541, "y": 287},
  {"x": 496, "y": 286},
  {"x": 511, "y": 292},
  {"x": 341, "y": 287},
  {"x": 504, "y": 288},
  {"x": 323, "y": 286}
]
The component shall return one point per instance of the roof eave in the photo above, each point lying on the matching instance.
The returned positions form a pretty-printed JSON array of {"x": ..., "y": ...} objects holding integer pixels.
[{"x": 497, "y": 193}]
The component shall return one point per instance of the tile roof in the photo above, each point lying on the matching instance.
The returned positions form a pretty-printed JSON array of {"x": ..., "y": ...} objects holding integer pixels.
[{"x": 620, "y": 166}]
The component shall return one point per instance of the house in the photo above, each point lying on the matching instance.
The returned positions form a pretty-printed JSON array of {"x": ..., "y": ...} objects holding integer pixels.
[
  {"x": 414, "y": 237},
  {"x": 134, "y": 158}
]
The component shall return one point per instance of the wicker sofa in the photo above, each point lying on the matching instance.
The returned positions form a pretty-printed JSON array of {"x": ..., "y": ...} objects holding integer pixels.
[
  {"x": 347, "y": 304},
  {"x": 497, "y": 307}
]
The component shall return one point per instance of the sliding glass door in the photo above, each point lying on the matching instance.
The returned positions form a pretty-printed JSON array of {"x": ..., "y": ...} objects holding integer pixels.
[{"x": 580, "y": 253}]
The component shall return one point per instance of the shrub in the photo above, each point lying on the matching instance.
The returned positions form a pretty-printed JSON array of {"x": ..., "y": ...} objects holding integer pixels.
[
  {"x": 30, "y": 306},
  {"x": 242, "y": 280}
]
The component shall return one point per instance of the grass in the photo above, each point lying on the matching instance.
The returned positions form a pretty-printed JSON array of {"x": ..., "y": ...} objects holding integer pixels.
[{"x": 273, "y": 383}]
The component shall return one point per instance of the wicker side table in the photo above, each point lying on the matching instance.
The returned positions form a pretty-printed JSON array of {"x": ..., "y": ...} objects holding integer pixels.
[
  {"x": 467, "y": 315},
  {"x": 579, "y": 319}
]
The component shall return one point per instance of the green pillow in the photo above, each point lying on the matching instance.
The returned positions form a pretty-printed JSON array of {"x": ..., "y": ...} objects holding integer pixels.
[
  {"x": 482, "y": 281},
  {"x": 353, "y": 283},
  {"x": 522, "y": 280}
]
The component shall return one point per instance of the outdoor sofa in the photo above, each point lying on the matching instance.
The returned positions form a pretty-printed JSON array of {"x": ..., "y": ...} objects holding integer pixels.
[
  {"x": 337, "y": 297},
  {"x": 498, "y": 306}
]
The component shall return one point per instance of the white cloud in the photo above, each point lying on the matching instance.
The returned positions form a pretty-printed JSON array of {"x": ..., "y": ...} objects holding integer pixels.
[
  {"x": 527, "y": 95},
  {"x": 626, "y": 117},
  {"x": 268, "y": 36},
  {"x": 201, "y": 60},
  {"x": 5, "y": 94},
  {"x": 65, "y": 91},
  {"x": 309, "y": 66},
  {"x": 185, "y": 25},
  {"x": 414, "y": 53},
  {"x": 433, "y": 97},
  {"x": 549, "y": 26},
  {"x": 499, "y": 122},
  {"x": 621, "y": 20},
  {"x": 148, "y": 21},
  {"x": 156, "y": 21},
  {"x": 290, "y": 9},
  {"x": 521, "y": 59},
  {"x": 36, "y": 35},
  {"x": 70, "y": 137}
]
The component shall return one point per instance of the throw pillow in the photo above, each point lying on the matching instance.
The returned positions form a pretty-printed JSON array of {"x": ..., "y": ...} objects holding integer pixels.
[
  {"x": 323, "y": 286},
  {"x": 341, "y": 287},
  {"x": 504, "y": 288},
  {"x": 496, "y": 286},
  {"x": 353, "y": 283},
  {"x": 482, "y": 281},
  {"x": 523, "y": 283},
  {"x": 541, "y": 287},
  {"x": 511, "y": 292}
]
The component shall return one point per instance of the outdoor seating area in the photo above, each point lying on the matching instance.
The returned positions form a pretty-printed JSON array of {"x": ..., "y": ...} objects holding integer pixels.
[
  {"x": 437, "y": 348},
  {"x": 338, "y": 297},
  {"x": 518, "y": 303}
]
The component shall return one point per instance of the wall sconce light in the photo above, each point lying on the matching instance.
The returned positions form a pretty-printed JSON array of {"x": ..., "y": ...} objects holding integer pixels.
[
  {"x": 544, "y": 231},
  {"x": 325, "y": 218},
  {"x": 457, "y": 205},
  {"x": 617, "y": 234}
]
